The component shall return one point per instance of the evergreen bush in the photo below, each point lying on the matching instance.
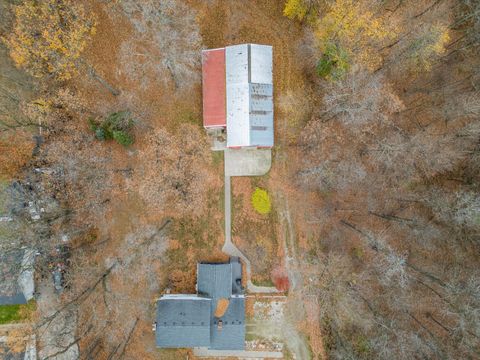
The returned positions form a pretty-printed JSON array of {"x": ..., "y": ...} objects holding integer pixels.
[{"x": 116, "y": 126}]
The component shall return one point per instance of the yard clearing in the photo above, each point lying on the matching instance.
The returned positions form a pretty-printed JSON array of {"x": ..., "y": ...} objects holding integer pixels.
[
  {"x": 16, "y": 313},
  {"x": 273, "y": 322}
]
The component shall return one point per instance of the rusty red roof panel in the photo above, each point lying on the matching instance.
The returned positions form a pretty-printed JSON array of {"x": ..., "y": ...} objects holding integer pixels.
[{"x": 213, "y": 83}]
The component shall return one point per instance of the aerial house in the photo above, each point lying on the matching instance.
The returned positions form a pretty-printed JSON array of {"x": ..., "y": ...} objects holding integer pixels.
[{"x": 213, "y": 318}]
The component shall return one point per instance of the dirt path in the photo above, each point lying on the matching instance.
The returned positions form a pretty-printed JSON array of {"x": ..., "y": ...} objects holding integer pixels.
[
  {"x": 289, "y": 240},
  {"x": 296, "y": 342},
  {"x": 56, "y": 339},
  {"x": 296, "y": 305}
]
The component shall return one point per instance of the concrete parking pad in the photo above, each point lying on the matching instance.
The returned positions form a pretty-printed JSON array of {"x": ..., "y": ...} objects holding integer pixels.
[
  {"x": 247, "y": 162},
  {"x": 242, "y": 354}
]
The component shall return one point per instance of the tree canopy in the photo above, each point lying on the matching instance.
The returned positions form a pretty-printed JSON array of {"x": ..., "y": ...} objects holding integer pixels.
[{"x": 49, "y": 36}]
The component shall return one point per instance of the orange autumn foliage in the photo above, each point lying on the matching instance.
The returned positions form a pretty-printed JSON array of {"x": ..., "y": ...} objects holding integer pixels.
[
  {"x": 49, "y": 36},
  {"x": 14, "y": 154},
  {"x": 222, "y": 306}
]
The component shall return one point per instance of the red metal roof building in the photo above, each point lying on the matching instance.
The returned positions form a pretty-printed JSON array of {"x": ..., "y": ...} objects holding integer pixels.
[
  {"x": 214, "y": 88},
  {"x": 238, "y": 94}
]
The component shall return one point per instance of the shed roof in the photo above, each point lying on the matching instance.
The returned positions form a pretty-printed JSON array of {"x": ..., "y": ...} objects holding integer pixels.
[
  {"x": 213, "y": 86},
  {"x": 16, "y": 276}
]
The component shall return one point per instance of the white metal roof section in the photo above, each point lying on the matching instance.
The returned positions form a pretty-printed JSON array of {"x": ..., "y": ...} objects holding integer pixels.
[
  {"x": 238, "y": 122},
  {"x": 236, "y": 64},
  {"x": 249, "y": 95},
  {"x": 261, "y": 64}
]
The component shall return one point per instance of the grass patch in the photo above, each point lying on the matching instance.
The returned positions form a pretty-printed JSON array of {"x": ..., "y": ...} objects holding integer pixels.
[
  {"x": 9, "y": 314},
  {"x": 263, "y": 282},
  {"x": 16, "y": 313},
  {"x": 173, "y": 354},
  {"x": 184, "y": 113},
  {"x": 217, "y": 158},
  {"x": 3, "y": 194},
  {"x": 257, "y": 234}
]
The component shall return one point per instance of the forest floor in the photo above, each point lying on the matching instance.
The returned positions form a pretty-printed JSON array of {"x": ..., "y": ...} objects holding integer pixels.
[
  {"x": 60, "y": 332},
  {"x": 373, "y": 188}
]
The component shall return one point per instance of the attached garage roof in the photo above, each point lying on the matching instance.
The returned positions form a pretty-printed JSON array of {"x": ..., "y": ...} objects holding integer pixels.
[
  {"x": 214, "y": 280},
  {"x": 213, "y": 85}
]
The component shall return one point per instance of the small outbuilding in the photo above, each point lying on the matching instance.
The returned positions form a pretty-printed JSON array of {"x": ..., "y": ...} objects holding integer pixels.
[
  {"x": 238, "y": 94},
  {"x": 17, "y": 276}
]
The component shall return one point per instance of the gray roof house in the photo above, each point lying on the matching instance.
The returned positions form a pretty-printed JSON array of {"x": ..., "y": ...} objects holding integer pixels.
[
  {"x": 188, "y": 321},
  {"x": 16, "y": 276}
]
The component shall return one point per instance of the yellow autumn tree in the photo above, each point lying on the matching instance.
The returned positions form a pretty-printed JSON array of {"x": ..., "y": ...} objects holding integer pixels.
[
  {"x": 301, "y": 9},
  {"x": 295, "y": 9},
  {"x": 429, "y": 43},
  {"x": 49, "y": 36},
  {"x": 349, "y": 27}
]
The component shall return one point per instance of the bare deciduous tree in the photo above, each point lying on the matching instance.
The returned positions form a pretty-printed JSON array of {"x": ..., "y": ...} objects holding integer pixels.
[
  {"x": 360, "y": 99},
  {"x": 176, "y": 175},
  {"x": 168, "y": 46}
]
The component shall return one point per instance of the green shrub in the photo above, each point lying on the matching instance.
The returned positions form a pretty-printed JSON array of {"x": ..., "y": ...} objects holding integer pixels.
[
  {"x": 261, "y": 201},
  {"x": 100, "y": 134},
  {"x": 122, "y": 137},
  {"x": 334, "y": 63},
  {"x": 116, "y": 126}
]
